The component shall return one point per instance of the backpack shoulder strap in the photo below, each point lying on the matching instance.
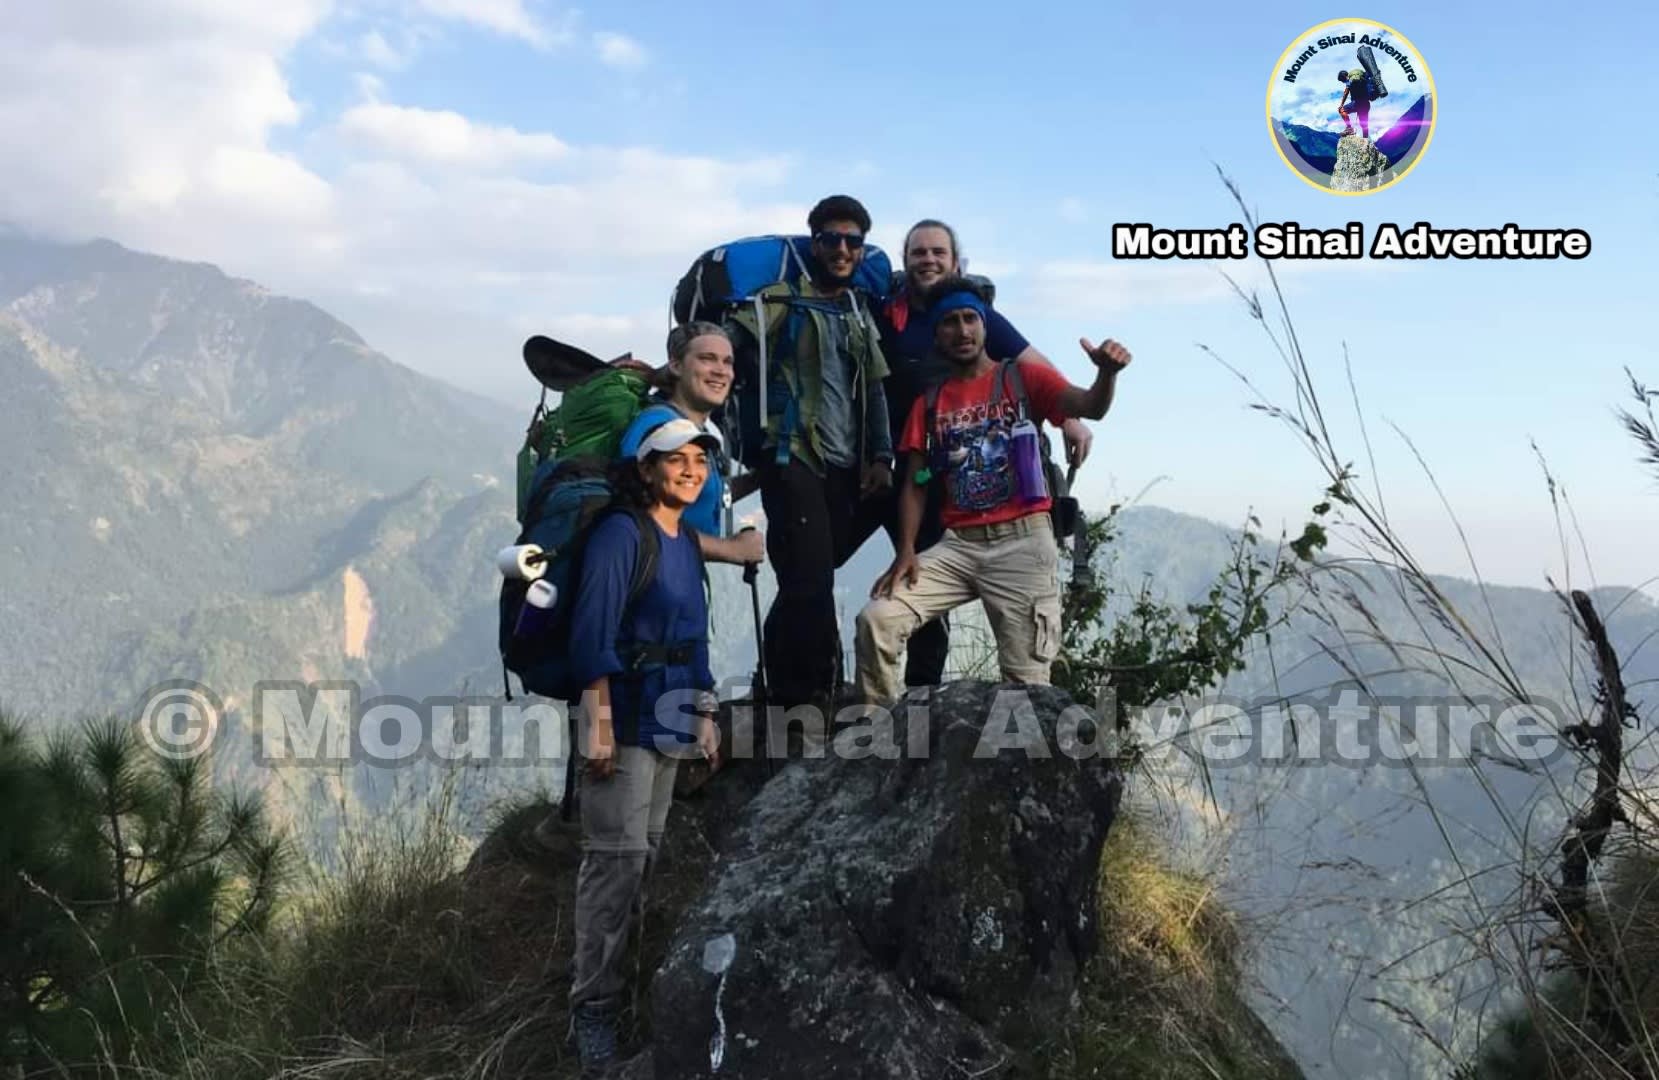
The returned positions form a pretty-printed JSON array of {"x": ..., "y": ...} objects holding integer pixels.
[
  {"x": 930, "y": 419},
  {"x": 1009, "y": 370},
  {"x": 646, "y": 556}
]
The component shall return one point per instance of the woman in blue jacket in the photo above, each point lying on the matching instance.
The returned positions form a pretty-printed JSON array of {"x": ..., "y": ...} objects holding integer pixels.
[{"x": 648, "y": 702}]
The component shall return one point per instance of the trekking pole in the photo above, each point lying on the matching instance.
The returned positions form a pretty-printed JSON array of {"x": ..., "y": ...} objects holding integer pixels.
[
  {"x": 1081, "y": 556},
  {"x": 751, "y": 577}
]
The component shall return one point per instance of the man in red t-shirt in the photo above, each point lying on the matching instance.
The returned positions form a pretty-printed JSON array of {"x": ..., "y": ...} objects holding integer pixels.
[{"x": 999, "y": 546}]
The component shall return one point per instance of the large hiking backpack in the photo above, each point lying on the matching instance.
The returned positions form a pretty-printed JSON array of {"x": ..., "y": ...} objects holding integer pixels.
[
  {"x": 1374, "y": 88},
  {"x": 731, "y": 278},
  {"x": 1063, "y": 509},
  {"x": 565, "y": 506},
  {"x": 986, "y": 285},
  {"x": 563, "y": 486},
  {"x": 587, "y": 423}
]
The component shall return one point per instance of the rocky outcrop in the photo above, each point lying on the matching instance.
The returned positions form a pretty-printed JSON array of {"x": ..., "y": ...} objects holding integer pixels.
[
  {"x": 1360, "y": 166},
  {"x": 911, "y": 917}
]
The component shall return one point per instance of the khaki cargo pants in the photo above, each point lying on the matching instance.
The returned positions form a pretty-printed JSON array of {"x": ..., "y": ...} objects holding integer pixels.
[
  {"x": 622, "y": 825},
  {"x": 1012, "y": 568}
]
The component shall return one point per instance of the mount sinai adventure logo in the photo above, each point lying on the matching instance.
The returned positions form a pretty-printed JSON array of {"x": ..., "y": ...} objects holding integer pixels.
[{"x": 1351, "y": 106}]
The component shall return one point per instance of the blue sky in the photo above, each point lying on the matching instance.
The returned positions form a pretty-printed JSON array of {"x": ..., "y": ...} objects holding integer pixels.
[{"x": 449, "y": 175}]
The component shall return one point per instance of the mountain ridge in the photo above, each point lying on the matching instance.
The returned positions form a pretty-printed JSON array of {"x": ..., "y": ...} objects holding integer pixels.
[{"x": 185, "y": 438}]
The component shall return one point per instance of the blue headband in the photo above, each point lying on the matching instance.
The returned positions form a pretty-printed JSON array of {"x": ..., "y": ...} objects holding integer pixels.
[{"x": 956, "y": 301}]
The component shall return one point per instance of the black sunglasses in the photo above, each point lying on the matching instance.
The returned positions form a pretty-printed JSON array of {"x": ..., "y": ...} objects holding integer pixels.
[{"x": 854, "y": 241}]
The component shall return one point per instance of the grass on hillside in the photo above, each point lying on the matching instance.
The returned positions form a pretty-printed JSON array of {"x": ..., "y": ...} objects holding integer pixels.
[
  {"x": 1165, "y": 997},
  {"x": 411, "y": 962},
  {"x": 404, "y": 967}
]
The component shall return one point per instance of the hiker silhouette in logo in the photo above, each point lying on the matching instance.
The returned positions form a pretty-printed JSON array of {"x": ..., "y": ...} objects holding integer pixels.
[
  {"x": 976, "y": 434},
  {"x": 634, "y": 659},
  {"x": 1356, "y": 101}
]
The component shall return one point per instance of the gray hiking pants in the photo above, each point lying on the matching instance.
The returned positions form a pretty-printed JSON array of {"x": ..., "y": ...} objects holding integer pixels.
[{"x": 622, "y": 825}]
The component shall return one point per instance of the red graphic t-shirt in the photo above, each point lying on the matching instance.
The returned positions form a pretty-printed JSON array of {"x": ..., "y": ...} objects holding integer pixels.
[{"x": 973, "y": 443}]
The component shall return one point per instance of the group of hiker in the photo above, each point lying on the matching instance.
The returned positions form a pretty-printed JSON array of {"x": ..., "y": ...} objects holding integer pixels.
[{"x": 916, "y": 412}]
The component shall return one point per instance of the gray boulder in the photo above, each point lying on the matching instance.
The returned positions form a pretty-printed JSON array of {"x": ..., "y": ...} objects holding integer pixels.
[{"x": 905, "y": 917}]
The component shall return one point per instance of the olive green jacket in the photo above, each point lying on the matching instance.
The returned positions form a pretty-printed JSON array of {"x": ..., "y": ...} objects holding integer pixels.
[{"x": 802, "y": 373}]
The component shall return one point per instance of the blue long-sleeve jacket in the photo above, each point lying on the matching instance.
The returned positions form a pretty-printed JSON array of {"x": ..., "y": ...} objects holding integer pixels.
[{"x": 673, "y": 609}]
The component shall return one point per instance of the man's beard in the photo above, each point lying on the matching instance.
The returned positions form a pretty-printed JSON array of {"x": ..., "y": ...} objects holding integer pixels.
[{"x": 822, "y": 273}]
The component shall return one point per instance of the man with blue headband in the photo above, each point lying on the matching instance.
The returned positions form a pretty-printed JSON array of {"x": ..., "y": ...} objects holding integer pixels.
[
  {"x": 933, "y": 252},
  {"x": 977, "y": 435}
]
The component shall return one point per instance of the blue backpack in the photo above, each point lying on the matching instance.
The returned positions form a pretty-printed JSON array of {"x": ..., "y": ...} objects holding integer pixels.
[
  {"x": 566, "y": 499},
  {"x": 730, "y": 278}
]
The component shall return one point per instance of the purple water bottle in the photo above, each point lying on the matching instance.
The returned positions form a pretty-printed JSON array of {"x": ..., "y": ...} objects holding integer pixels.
[
  {"x": 1028, "y": 462},
  {"x": 537, "y": 611}
]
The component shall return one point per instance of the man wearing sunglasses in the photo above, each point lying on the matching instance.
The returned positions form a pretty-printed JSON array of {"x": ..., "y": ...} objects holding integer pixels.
[{"x": 828, "y": 446}]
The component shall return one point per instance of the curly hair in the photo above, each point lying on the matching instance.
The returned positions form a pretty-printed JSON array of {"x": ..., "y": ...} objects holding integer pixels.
[
  {"x": 838, "y": 208},
  {"x": 628, "y": 487}
]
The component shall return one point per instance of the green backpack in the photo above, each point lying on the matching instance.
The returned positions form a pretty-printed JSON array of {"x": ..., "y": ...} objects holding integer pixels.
[{"x": 589, "y": 422}]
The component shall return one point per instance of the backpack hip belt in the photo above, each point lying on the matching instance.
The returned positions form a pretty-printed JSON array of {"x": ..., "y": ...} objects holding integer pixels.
[{"x": 640, "y": 658}]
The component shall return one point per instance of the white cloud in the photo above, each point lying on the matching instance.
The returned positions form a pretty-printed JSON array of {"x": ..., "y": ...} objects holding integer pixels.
[
  {"x": 380, "y": 53},
  {"x": 263, "y": 182},
  {"x": 189, "y": 141},
  {"x": 1073, "y": 210},
  {"x": 104, "y": 24},
  {"x": 995, "y": 269},
  {"x": 440, "y": 135},
  {"x": 509, "y": 18},
  {"x": 620, "y": 51},
  {"x": 369, "y": 87},
  {"x": 124, "y": 122}
]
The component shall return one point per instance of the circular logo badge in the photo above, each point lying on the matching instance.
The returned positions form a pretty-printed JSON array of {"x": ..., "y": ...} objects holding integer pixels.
[{"x": 1351, "y": 106}]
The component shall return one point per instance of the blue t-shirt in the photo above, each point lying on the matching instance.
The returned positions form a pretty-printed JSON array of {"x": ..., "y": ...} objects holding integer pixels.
[
  {"x": 672, "y": 609},
  {"x": 706, "y": 514},
  {"x": 914, "y": 364}
]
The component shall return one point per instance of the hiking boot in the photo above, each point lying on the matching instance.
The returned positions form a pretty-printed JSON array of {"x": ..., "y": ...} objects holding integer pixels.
[{"x": 593, "y": 1029}]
